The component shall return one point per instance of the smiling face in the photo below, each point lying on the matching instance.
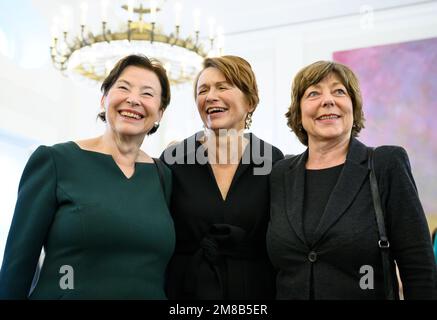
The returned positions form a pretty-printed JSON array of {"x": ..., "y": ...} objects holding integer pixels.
[
  {"x": 221, "y": 105},
  {"x": 132, "y": 104},
  {"x": 327, "y": 111}
]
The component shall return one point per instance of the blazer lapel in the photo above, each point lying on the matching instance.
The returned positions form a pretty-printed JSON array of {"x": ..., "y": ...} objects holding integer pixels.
[
  {"x": 294, "y": 180},
  {"x": 348, "y": 185}
]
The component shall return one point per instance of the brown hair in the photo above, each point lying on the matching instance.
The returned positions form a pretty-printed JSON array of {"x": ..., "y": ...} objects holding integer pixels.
[
  {"x": 313, "y": 74},
  {"x": 237, "y": 72},
  {"x": 141, "y": 61}
]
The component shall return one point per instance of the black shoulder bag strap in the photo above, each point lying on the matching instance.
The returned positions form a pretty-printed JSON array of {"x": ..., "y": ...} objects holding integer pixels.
[
  {"x": 383, "y": 242},
  {"x": 160, "y": 168}
]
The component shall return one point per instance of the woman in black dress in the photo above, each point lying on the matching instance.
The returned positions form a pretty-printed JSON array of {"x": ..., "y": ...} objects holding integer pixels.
[{"x": 220, "y": 199}]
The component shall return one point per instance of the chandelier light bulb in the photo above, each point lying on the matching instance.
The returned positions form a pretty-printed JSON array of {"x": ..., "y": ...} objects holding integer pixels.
[
  {"x": 211, "y": 24},
  {"x": 104, "y": 6},
  {"x": 153, "y": 11},
  {"x": 178, "y": 12},
  {"x": 196, "y": 16},
  {"x": 55, "y": 27},
  {"x": 83, "y": 13},
  {"x": 130, "y": 9},
  {"x": 65, "y": 11}
]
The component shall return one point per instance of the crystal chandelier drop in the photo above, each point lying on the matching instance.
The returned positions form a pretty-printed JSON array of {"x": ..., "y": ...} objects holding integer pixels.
[{"x": 91, "y": 55}]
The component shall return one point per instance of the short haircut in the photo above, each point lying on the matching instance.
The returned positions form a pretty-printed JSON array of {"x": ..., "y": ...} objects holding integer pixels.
[
  {"x": 313, "y": 74},
  {"x": 140, "y": 61},
  {"x": 237, "y": 72}
]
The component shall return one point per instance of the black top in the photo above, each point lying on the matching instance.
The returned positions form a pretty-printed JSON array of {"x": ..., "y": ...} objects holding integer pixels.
[
  {"x": 220, "y": 244},
  {"x": 318, "y": 187},
  {"x": 111, "y": 237},
  {"x": 346, "y": 239}
]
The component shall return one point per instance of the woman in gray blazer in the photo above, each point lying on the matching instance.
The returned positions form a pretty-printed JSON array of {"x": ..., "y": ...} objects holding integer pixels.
[{"x": 323, "y": 235}]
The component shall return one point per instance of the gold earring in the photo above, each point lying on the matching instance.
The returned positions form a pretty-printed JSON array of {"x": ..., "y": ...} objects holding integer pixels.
[{"x": 248, "y": 120}]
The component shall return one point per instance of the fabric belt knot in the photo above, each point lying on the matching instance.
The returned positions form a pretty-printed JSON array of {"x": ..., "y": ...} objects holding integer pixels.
[{"x": 210, "y": 250}]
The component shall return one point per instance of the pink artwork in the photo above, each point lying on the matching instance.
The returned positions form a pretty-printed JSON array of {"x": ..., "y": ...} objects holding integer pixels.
[{"x": 399, "y": 88}]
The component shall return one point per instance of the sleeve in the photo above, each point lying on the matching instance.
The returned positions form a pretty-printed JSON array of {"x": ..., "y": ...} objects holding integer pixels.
[
  {"x": 408, "y": 229},
  {"x": 34, "y": 211}
]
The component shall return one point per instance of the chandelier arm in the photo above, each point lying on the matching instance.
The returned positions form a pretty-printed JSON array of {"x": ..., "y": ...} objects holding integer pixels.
[
  {"x": 197, "y": 38},
  {"x": 52, "y": 48},
  {"x": 176, "y": 35},
  {"x": 69, "y": 47},
  {"x": 91, "y": 38},
  {"x": 152, "y": 33},
  {"x": 129, "y": 31},
  {"x": 104, "y": 32},
  {"x": 58, "y": 59},
  {"x": 82, "y": 36},
  {"x": 59, "y": 53}
]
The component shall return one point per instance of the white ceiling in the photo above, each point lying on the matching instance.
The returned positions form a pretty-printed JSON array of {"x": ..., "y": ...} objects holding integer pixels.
[
  {"x": 237, "y": 16},
  {"x": 18, "y": 18}
]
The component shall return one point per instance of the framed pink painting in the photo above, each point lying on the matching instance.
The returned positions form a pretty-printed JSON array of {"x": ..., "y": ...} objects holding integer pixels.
[{"x": 399, "y": 87}]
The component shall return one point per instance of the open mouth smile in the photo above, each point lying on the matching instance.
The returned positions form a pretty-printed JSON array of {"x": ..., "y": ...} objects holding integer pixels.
[
  {"x": 328, "y": 117},
  {"x": 131, "y": 114},
  {"x": 213, "y": 110}
]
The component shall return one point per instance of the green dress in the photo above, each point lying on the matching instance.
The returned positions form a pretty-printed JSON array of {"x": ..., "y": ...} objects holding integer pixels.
[{"x": 105, "y": 236}]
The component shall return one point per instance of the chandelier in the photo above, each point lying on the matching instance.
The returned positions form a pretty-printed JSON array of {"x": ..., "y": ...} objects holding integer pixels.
[{"x": 91, "y": 56}]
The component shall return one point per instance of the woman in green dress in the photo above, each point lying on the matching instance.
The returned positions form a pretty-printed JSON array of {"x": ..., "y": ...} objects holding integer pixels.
[{"x": 98, "y": 207}]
